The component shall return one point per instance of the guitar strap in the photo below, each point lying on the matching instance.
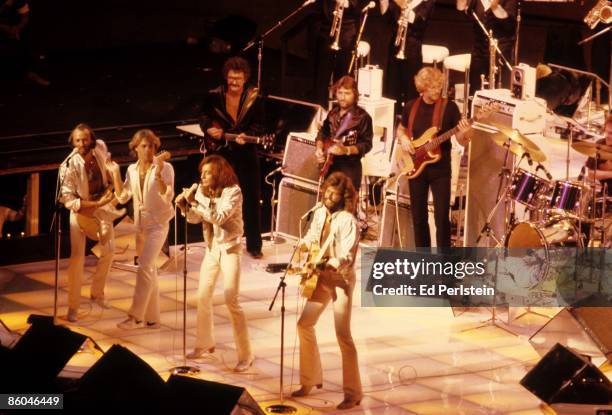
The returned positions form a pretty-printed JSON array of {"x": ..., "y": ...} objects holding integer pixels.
[{"x": 437, "y": 116}]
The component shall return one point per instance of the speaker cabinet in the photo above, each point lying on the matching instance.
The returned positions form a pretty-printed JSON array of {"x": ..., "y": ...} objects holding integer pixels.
[
  {"x": 299, "y": 161},
  {"x": 388, "y": 235},
  {"x": 187, "y": 395},
  {"x": 295, "y": 197},
  {"x": 586, "y": 329},
  {"x": 563, "y": 376}
]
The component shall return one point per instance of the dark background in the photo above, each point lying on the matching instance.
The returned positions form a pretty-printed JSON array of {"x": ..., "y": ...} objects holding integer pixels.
[{"x": 116, "y": 63}]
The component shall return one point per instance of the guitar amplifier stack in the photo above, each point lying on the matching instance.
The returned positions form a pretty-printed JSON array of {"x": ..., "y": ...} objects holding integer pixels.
[{"x": 297, "y": 191}]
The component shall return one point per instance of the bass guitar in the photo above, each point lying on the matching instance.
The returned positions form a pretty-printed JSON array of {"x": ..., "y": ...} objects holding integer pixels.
[{"x": 427, "y": 146}]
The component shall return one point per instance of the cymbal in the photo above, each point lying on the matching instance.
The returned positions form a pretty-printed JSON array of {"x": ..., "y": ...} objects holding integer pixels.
[
  {"x": 516, "y": 142},
  {"x": 593, "y": 149}
]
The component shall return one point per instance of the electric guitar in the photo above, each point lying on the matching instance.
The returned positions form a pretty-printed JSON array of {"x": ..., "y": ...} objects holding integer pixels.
[
  {"x": 349, "y": 139},
  {"x": 427, "y": 146},
  {"x": 211, "y": 144}
]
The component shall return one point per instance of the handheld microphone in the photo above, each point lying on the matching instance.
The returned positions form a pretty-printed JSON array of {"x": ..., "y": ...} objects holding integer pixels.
[
  {"x": 180, "y": 198},
  {"x": 370, "y": 5},
  {"x": 312, "y": 209},
  {"x": 308, "y": 3}
]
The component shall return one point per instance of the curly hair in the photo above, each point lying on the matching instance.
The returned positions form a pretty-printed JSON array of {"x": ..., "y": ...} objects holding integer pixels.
[
  {"x": 144, "y": 134},
  {"x": 347, "y": 82},
  {"x": 223, "y": 172},
  {"x": 237, "y": 64},
  {"x": 428, "y": 77},
  {"x": 86, "y": 129},
  {"x": 345, "y": 186}
]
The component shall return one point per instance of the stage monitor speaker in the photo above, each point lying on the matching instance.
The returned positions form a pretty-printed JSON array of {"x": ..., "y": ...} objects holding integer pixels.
[
  {"x": 284, "y": 115},
  {"x": 295, "y": 197},
  {"x": 388, "y": 235},
  {"x": 563, "y": 376},
  {"x": 299, "y": 161},
  {"x": 523, "y": 81},
  {"x": 42, "y": 352},
  {"x": 585, "y": 329},
  {"x": 187, "y": 395},
  {"x": 120, "y": 379}
]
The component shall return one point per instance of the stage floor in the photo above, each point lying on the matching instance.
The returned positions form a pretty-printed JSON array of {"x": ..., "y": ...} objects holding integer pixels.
[{"x": 412, "y": 360}]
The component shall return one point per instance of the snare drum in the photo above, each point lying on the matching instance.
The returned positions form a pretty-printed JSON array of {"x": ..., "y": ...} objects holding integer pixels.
[
  {"x": 570, "y": 197},
  {"x": 526, "y": 188}
]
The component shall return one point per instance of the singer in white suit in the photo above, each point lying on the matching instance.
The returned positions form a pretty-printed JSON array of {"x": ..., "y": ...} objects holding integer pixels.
[
  {"x": 150, "y": 184},
  {"x": 334, "y": 228},
  {"x": 217, "y": 203}
]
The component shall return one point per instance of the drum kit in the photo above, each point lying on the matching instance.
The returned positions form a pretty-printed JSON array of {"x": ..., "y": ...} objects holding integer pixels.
[{"x": 561, "y": 213}]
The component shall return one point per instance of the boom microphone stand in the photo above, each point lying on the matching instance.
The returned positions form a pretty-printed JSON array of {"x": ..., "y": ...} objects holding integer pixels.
[{"x": 259, "y": 40}]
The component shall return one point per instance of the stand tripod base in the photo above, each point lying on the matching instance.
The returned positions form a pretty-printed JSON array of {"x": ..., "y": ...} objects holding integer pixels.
[
  {"x": 275, "y": 239},
  {"x": 185, "y": 370},
  {"x": 281, "y": 409},
  {"x": 528, "y": 311}
]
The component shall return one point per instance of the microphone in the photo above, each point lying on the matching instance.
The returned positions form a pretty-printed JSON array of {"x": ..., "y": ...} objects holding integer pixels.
[
  {"x": 529, "y": 160},
  {"x": 541, "y": 167},
  {"x": 308, "y": 3},
  {"x": 181, "y": 198},
  {"x": 370, "y": 5},
  {"x": 383, "y": 179},
  {"x": 70, "y": 156},
  {"x": 312, "y": 209}
]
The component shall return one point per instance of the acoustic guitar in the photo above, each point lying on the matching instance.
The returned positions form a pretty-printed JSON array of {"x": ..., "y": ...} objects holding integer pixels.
[{"x": 311, "y": 270}]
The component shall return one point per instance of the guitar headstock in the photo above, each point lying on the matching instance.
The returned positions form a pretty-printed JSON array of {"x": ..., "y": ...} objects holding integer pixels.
[
  {"x": 267, "y": 141},
  {"x": 163, "y": 156}
]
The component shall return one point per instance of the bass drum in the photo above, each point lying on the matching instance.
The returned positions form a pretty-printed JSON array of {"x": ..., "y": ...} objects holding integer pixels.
[{"x": 558, "y": 232}]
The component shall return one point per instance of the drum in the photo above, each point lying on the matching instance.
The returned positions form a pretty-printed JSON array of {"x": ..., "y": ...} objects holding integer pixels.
[
  {"x": 570, "y": 197},
  {"x": 526, "y": 188},
  {"x": 556, "y": 232}
]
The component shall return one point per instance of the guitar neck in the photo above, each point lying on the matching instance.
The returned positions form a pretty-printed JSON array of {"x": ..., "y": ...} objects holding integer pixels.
[
  {"x": 438, "y": 140},
  {"x": 246, "y": 138}
]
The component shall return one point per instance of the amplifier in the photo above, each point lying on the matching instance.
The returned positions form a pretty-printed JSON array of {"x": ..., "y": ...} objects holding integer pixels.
[
  {"x": 388, "y": 235},
  {"x": 526, "y": 116},
  {"x": 369, "y": 82},
  {"x": 295, "y": 197},
  {"x": 299, "y": 160}
]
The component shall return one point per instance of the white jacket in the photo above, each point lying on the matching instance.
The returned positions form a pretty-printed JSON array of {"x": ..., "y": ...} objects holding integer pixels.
[{"x": 150, "y": 207}]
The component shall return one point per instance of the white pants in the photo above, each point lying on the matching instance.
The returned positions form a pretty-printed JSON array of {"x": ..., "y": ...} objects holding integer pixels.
[
  {"x": 310, "y": 361},
  {"x": 77, "y": 261},
  {"x": 145, "y": 304},
  {"x": 228, "y": 264}
]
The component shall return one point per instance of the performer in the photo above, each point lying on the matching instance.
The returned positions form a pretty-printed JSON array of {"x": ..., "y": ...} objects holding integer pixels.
[
  {"x": 399, "y": 83},
  {"x": 237, "y": 108},
  {"x": 496, "y": 15},
  {"x": 217, "y": 203},
  {"x": 150, "y": 184},
  {"x": 85, "y": 192},
  {"x": 349, "y": 123},
  {"x": 327, "y": 61},
  {"x": 419, "y": 115},
  {"x": 334, "y": 221},
  {"x": 602, "y": 170}
]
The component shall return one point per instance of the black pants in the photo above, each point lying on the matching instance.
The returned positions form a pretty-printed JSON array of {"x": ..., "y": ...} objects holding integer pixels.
[
  {"x": 439, "y": 180},
  {"x": 245, "y": 162}
]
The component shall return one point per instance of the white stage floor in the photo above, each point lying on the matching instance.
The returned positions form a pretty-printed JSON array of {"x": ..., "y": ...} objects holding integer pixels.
[{"x": 412, "y": 360}]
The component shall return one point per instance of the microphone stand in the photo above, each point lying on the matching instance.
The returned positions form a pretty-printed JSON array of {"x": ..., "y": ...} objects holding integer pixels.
[
  {"x": 274, "y": 238},
  {"x": 281, "y": 408},
  {"x": 185, "y": 368},
  {"x": 493, "y": 42},
  {"x": 57, "y": 222},
  {"x": 259, "y": 40},
  {"x": 358, "y": 39}
]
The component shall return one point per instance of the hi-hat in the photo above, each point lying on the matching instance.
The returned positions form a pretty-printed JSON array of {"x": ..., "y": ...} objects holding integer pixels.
[{"x": 593, "y": 150}]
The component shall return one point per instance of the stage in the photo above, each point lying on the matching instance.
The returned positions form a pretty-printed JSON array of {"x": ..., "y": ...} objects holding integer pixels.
[{"x": 412, "y": 360}]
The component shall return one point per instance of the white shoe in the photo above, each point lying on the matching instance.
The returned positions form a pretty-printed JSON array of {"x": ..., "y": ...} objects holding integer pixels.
[
  {"x": 199, "y": 352},
  {"x": 153, "y": 325},
  {"x": 130, "y": 324}
]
